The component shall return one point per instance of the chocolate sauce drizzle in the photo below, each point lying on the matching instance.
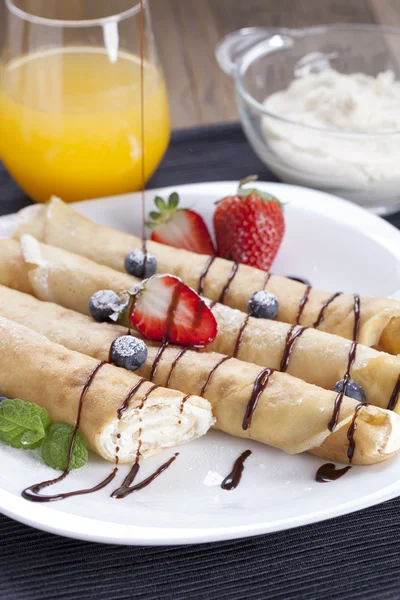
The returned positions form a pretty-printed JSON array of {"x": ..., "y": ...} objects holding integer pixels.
[
  {"x": 351, "y": 431},
  {"x": 259, "y": 386},
  {"x": 125, "y": 490},
  {"x": 231, "y": 277},
  {"x": 321, "y": 314},
  {"x": 203, "y": 275},
  {"x": 32, "y": 493},
  {"x": 232, "y": 480},
  {"x": 302, "y": 304},
  {"x": 329, "y": 472},
  {"x": 240, "y": 335},
  {"x": 128, "y": 398},
  {"x": 184, "y": 399},
  {"x": 394, "y": 398},
  {"x": 174, "y": 363},
  {"x": 352, "y": 356},
  {"x": 211, "y": 373},
  {"x": 299, "y": 279},
  {"x": 157, "y": 359},
  {"x": 291, "y": 338},
  {"x": 245, "y": 322}
]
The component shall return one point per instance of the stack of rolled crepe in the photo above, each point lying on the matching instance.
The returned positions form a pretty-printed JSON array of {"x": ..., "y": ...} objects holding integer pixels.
[
  {"x": 288, "y": 413},
  {"x": 58, "y": 224},
  {"x": 319, "y": 358}
]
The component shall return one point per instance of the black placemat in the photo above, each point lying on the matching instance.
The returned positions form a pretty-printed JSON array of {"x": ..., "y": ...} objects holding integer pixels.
[{"x": 356, "y": 556}]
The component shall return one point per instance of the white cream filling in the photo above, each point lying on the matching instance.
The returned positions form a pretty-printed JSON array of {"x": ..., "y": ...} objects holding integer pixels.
[{"x": 158, "y": 425}]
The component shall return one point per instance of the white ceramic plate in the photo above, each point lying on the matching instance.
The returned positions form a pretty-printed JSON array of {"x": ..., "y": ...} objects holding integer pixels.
[{"x": 335, "y": 244}]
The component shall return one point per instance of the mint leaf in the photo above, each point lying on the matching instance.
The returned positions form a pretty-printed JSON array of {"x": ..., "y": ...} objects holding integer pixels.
[
  {"x": 22, "y": 424},
  {"x": 56, "y": 444}
]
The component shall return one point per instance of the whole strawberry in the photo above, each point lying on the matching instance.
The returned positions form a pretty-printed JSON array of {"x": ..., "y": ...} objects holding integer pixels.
[{"x": 249, "y": 226}]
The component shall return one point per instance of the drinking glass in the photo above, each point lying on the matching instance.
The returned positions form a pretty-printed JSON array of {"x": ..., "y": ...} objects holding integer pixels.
[{"x": 70, "y": 98}]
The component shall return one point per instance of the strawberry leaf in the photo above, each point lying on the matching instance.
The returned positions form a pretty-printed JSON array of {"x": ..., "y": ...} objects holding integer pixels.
[
  {"x": 173, "y": 200},
  {"x": 247, "y": 179},
  {"x": 160, "y": 203}
]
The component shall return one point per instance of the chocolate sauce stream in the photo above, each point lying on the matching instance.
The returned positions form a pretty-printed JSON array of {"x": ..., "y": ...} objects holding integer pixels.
[
  {"x": 203, "y": 275},
  {"x": 231, "y": 277},
  {"x": 394, "y": 398},
  {"x": 232, "y": 480},
  {"x": 302, "y": 304},
  {"x": 291, "y": 339},
  {"x": 352, "y": 356},
  {"x": 329, "y": 472},
  {"x": 351, "y": 431},
  {"x": 211, "y": 373},
  {"x": 174, "y": 363},
  {"x": 259, "y": 386},
  {"x": 124, "y": 491},
  {"x": 32, "y": 493},
  {"x": 142, "y": 135},
  {"x": 321, "y": 314}
]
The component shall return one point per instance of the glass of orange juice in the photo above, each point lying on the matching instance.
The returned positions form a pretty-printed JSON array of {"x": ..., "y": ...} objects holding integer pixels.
[{"x": 70, "y": 98}]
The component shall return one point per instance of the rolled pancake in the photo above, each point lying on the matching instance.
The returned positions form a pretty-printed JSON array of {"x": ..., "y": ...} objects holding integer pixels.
[
  {"x": 38, "y": 370},
  {"x": 59, "y": 225},
  {"x": 317, "y": 357},
  {"x": 290, "y": 414}
]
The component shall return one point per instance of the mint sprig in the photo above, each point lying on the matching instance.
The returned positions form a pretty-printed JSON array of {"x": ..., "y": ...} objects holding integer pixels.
[
  {"x": 56, "y": 445},
  {"x": 22, "y": 424}
]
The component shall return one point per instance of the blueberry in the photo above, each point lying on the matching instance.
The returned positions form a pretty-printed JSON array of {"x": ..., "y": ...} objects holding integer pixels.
[
  {"x": 263, "y": 305},
  {"x": 353, "y": 390},
  {"x": 134, "y": 264},
  {"x": 299, "y": 279},
  {"x": 103, "y": 304},
  {"x": 128, "y": 352},
  {"x": 3, "y": 398}
]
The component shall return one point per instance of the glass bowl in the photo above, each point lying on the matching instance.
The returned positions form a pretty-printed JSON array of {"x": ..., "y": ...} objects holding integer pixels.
[{"x": 360, "y": 166}]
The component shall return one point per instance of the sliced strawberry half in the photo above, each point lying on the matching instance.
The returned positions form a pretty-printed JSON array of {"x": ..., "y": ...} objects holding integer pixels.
[
  {"x": 179, "y": 227},
  {"x": 168, "y": 310}
]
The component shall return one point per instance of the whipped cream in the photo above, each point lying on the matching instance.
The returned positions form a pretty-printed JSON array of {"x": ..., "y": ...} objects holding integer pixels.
[{"x": 334, "y": 107}]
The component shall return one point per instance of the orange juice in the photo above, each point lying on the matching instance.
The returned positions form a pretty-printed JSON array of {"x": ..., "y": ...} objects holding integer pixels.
[{"x": 70, "y": 122}]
